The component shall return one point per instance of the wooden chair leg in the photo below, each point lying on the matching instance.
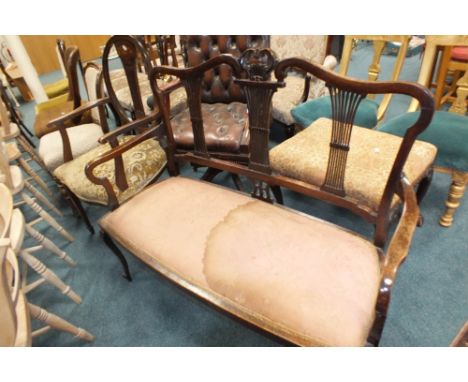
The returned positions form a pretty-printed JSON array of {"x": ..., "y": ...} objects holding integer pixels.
[
  {"x": 45, "y": 216},
  {"x": 457, "y": 189},
  {"x": 277, "y": 193},
  {"x": 116, "y": 251},
  {"x": 422, "y": 190},
  {"x": 459, "y": 105},
  {"x": 41, "y": 197},
  {"x": 28, "y": 169},
  {"x": 40, "y": 268},
  {"x": 78, "y": 208},
  {"x": 48, "y": 244},
  {"x": 210, "y": 174},
  {"x": 58, "y": 323},
  {"x": 30, "y": 150}
]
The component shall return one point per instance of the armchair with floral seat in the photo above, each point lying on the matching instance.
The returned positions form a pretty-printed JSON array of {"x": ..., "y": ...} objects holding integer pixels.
[
  {"x": 369, "y": 112},
  {"x": 124, "y": 160}
]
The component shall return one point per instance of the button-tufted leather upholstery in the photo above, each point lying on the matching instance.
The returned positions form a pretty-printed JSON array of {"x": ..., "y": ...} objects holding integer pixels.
[
  {"x": 226, "y": 127},
  {"x": 218, "y": 85}
]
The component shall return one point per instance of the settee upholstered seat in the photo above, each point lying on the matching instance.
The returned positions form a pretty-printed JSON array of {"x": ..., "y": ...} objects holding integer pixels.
[
  {"x": 225, "y": 127},
  {"x": 82, "y": 139},
  {"x": 370, "y": 159},
  {"x": 313, "y": 278},
  {"x": 142, "y": 164}
]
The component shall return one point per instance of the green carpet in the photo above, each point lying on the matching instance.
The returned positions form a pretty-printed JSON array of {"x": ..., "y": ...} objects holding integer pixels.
[{"x": 428, "y": 306}]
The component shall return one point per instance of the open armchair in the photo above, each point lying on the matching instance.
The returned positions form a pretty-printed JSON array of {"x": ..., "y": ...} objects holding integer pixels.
[
  {"x": 301, "y": 278},
  {"x": 123, "y": 160}
]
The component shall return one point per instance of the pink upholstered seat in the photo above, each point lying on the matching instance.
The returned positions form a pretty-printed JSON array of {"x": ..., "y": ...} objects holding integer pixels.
[{"x": 311, "y": 277}]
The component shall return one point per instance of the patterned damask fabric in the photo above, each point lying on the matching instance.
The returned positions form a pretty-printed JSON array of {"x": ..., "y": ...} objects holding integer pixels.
[
  {"x": 305, "y": 157},
  {"x": 311, "y": 48},
  {"x": 178, "y": 97},
  {"x": 287, "y": 98},
  {"x": 141, "y": 163}
]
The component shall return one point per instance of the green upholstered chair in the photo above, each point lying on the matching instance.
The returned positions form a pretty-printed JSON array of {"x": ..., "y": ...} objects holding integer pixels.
[
  {"x": 448, "y": 131},
  {"x": 369, "y": 111}
]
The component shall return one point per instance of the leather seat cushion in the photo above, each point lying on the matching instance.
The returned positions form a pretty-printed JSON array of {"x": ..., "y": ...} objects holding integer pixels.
[
  {"x": 142, "y": 164},
  {"x": 308, "y": 112},
  {"x": 305, "y": 157},
  {"x": 225, "y": 126},
  {"x": 82, "y": 139},
  {"x": 447, "y": 131},
  {"x": 307, "y": 275}
]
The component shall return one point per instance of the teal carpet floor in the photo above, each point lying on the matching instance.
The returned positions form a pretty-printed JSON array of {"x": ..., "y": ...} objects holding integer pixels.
[{"x": 430, "y": 296}]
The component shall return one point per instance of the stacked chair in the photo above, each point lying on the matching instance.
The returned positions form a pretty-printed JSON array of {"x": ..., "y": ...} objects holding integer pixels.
[
  {"x": 16, "y": 256},
  {"x": 16, "y": 310}
]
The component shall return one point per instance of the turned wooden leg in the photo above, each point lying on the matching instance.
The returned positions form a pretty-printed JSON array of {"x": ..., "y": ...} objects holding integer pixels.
[
  {"x": 30, "y": 150},
  {"x": 44, "y": 215},
  {"x": 457, "y": 189},
  {"x": 49, "y": 244},
  {"x": 58, "y": 323},
  {"x": 44, "y": 272},
  {"x": 41, "y": 197},
  {"x": 28, "y": 169},
  {"x": 459, "y": 106}
]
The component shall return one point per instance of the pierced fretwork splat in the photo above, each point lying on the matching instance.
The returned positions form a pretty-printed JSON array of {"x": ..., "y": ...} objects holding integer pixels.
[
  {"x": 193, "y": 89},
  {"x": 344, "y": 107},
  {"x": 258, "y": 63}
]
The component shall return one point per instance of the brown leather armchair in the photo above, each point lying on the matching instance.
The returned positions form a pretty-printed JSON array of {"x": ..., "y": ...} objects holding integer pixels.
[{"x": 223, "y": 107}]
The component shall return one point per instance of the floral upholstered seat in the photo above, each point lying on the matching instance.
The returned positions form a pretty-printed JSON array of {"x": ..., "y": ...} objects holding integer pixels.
[{"x": 142, "y": 164}]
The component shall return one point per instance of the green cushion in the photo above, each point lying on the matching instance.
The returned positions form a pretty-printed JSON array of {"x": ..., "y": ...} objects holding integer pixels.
[
  {"x": 447, "y": 131},
  {"x": 308, "y": 112}
]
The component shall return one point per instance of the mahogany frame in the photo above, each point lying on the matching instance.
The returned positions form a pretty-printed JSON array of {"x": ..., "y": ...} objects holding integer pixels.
[{"x": 259, "y": 91}]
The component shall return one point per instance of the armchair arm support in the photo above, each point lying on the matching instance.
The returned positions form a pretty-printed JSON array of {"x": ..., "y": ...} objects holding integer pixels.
[
  {"x": 59, "y": 124},
  {"x": 112, "y": 136},
  {"x": 116, "y": 154},
  {"x": 60, "y": 121}
]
